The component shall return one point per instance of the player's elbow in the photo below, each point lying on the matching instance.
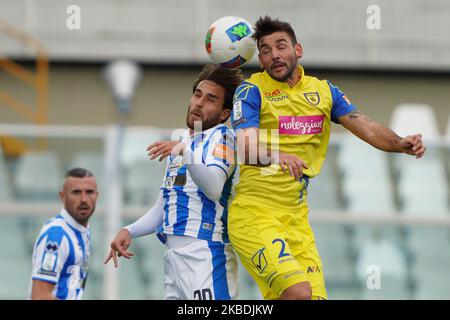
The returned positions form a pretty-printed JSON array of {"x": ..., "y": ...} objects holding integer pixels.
[{"x": 213, "y": 194}]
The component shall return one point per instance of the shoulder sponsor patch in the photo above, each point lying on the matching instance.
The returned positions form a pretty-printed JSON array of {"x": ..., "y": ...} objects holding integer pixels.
[
  {"x": 242, "y": 91},
  {"x": 224, "y": 152}
]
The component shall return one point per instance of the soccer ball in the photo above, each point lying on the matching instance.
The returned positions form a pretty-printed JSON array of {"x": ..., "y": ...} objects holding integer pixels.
[{"x": 229, "y": 42}]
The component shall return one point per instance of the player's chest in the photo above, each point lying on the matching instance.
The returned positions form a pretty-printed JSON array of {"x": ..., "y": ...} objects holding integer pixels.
[
  {"x": 291, "y": 109},
  {"x": 82, "y": 253}
]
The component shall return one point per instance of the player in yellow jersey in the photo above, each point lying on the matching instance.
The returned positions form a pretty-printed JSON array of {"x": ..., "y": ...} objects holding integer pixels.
[{"x": 282, "y": 121}]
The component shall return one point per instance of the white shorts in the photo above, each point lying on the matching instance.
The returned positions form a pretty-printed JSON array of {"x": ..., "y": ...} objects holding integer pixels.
[{"x": 197, "y": 269}]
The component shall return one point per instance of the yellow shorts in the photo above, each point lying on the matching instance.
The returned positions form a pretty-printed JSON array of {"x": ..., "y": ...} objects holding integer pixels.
[{"x": 277, "y": 247}]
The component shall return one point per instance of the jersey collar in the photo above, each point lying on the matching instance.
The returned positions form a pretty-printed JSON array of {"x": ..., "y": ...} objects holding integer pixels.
[
  {"x": 72, "y": 222},
  {"x": 284, "y": 85}
]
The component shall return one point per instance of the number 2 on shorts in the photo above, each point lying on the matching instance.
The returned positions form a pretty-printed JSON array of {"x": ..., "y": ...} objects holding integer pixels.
[{"x": 283, "y": 247}]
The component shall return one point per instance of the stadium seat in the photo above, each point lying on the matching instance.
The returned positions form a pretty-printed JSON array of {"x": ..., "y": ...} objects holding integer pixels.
[
  {"x": 92, "y": 161},
  {"x": 5, "y": 185},
  {"x": 381, "y": 260},
  {"x": 142, "y": 182},
  {"x": 333, "y": 245},
  {"x": 247, "y": 287},
  {"x": 99, "y": 247},
  {"x": 366, "y": 184},
  {"x": 425, "y": 177},
  {"x": 323, "y": 193},
  {"x": 414, "y": 118},
  {"x": 151, "y": 255},
  {"x": 38, "y": 177},
  {"x": 15, "y": 265}
]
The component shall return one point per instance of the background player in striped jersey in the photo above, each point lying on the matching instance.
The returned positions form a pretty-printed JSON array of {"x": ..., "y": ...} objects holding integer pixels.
[
  {"x": 190, "y": 214},
  {"x": 289, "y": 112},
  {"x": 62, "y": 249}
]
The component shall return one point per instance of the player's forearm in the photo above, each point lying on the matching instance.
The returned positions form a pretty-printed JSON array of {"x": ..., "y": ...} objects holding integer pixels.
[
  {"x": 382, "y": 138},
  {"x": 149, "y": 222},
  {"x": 371, "y": 131}
]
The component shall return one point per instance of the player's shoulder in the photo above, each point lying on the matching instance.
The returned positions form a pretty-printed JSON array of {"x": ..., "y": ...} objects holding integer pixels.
[
  {"x": 222, "y": 131},
  {"x": 56, "y": 227},
  {"x": 246, "y": 90}
]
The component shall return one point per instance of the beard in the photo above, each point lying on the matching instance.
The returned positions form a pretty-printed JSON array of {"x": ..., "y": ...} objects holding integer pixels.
[
  {"x": 291, "y": 66},
  {"x": 206, "y": 124}
]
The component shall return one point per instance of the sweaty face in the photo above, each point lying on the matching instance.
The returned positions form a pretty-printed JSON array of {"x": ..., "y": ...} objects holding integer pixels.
[
  {"x": 278, "y": 56},
  {"x": 79, "y": 196},
  {"x": 206, "y": 105}
]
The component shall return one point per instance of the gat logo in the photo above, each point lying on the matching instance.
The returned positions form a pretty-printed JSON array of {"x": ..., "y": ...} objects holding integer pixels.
[
  {"x": 276, "y": 95},
  {"x": 259, "y": 260},
  {"x": 238, "y": 31}
]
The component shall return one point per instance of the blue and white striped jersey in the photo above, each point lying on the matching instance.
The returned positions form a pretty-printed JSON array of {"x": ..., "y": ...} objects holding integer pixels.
[
  {"x": 188, "y": 211},
  {"x": 61, "y": 256}
]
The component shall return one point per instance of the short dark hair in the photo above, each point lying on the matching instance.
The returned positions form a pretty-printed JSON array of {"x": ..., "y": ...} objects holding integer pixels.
[
  {"x": 266, "y": 26},
  {"x": 78, "y": 173},
  {"x": 227, "y": 78}
]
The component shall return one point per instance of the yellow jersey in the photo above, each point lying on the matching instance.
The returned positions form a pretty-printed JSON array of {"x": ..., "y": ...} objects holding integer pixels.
[{"x": 294, "y": 120}]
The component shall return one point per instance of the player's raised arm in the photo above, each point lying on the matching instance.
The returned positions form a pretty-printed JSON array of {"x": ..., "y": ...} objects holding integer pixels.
[
  {"x": 381, "y": 137},
  {"x": 147, "y": 224}
]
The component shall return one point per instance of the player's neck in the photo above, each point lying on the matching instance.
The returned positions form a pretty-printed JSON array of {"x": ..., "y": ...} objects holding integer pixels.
[{"x": 294, "y": 78}]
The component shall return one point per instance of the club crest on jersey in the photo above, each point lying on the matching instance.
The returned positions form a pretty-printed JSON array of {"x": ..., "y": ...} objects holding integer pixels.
[
  {"x": 313, "y": 98},
  {"x": 51, "y": 247}
]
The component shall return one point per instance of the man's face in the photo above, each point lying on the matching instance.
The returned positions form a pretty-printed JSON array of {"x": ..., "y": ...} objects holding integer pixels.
[
  {"x": 206, "y": 105},
  {"x": 79, "y": 196},
  {"x": 278, "y": 56}
]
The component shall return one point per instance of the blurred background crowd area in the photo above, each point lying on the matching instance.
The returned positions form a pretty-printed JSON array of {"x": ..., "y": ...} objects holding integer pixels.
[{"x": 370, "y": 211}]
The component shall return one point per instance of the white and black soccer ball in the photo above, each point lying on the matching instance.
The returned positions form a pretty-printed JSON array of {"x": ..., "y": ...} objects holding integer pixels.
[{"x": 229, "y": 41}]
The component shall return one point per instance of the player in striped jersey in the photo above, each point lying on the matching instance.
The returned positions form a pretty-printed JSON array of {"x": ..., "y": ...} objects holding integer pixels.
[
  {"x": 61, "y": 252},
  {"x": 190, "y": 215}
]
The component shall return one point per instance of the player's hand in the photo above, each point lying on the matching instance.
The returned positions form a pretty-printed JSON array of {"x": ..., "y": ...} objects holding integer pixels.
[
  {"x": 294, "y": 164},
  {"x": 119, "y": 247},
  {"x": 413, "y": 145},
  {"x": 161, "y": 148}
]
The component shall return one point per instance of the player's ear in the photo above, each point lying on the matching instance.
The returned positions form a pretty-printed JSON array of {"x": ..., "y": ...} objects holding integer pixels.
[
  {"x": 61, "y": 196},
  {"x": 298, "y": 50},
  {"x": 260, "y": 61},
  {"x": 225, "y": 114}
]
